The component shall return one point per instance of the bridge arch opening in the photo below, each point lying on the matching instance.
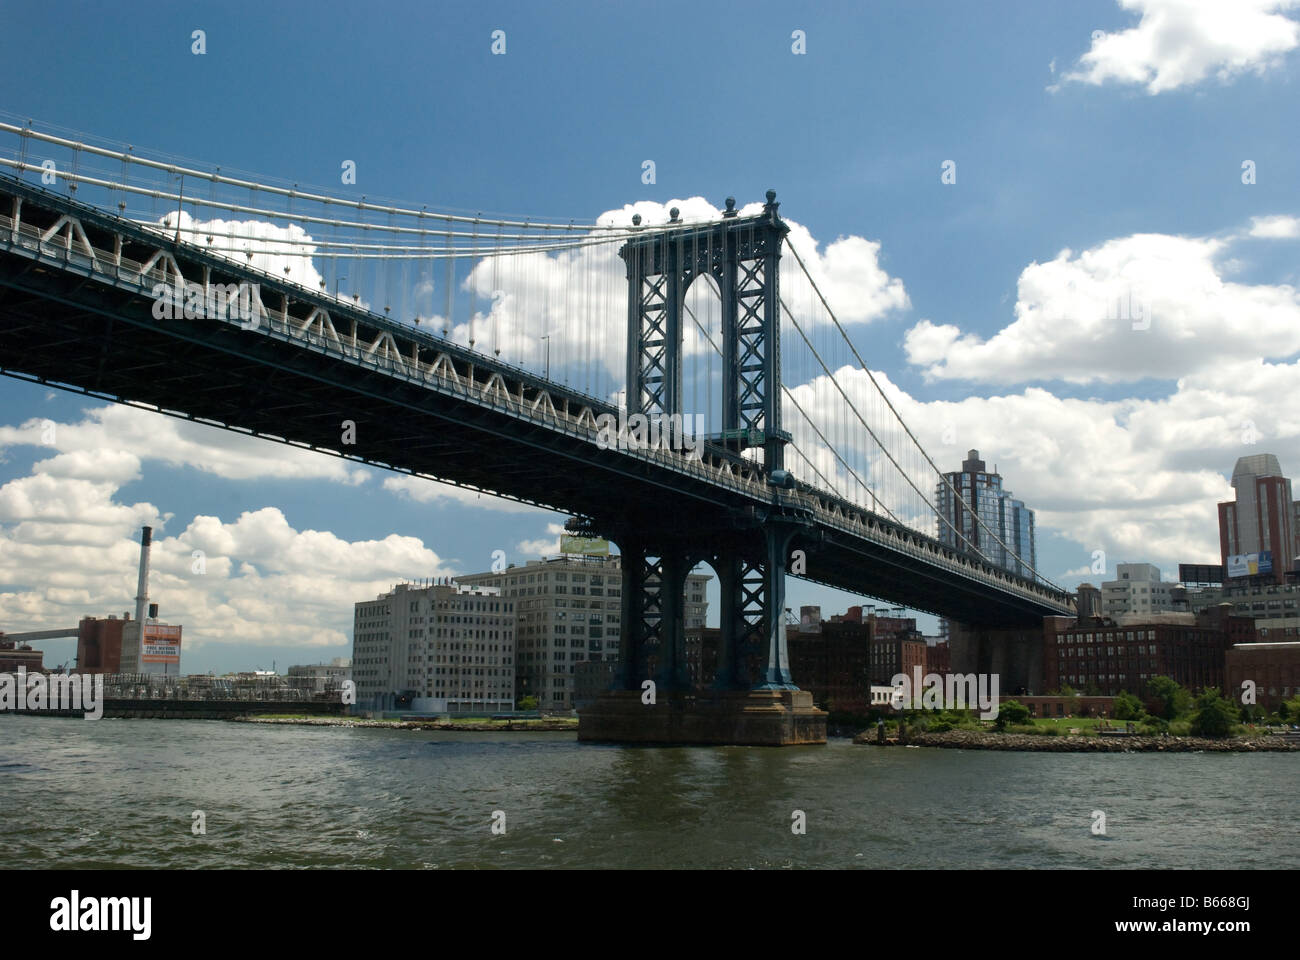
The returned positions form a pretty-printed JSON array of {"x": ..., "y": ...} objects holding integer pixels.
[{"x": 702, "y": 369}]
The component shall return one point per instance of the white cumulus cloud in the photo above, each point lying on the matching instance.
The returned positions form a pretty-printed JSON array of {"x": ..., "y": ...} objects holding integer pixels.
[
  {"x": 1178, "y": 43},
  {"x": 1279, "y": 227},
  {"x": 1147, "y": 305}
]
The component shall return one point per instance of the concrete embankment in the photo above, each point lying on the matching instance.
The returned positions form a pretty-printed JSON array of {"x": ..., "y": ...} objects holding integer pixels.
[
  {"x": 466, "y": 726},
  {"x": 979, "y": 740}
]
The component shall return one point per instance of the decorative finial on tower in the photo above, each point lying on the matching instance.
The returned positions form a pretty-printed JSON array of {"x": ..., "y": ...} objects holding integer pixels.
[
  {"x": 731, "y": 207},
  {"x": 672, "y": 215},
  {"x": 636, "y": 219}
]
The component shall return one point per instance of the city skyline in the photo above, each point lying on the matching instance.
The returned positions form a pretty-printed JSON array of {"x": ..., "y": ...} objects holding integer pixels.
[{"x": 1119, "y": 434}]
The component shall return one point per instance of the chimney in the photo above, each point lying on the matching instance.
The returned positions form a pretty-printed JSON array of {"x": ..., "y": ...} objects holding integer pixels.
[{"x": 142, "y": 589}]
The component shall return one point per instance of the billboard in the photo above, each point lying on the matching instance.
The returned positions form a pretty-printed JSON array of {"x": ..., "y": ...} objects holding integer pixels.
[
  {"x": 1250, "y": 564},
  {"x": 162, "y": 644},
  {"x": 588, "y": 546},
  {"x": 1200, "y": 573}
]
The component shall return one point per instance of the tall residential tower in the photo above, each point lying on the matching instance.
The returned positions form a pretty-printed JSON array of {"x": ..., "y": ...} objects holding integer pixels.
[
  {"x": 1259, "y": 531},
  {"x": 980, "y": 493}
]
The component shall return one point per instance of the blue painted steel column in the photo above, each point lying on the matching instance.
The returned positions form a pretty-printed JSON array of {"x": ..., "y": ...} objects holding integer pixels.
[
  {"x": 635, "y": 259},
  {"x": 730, "y": 336},
  {"x": 732, "y": 624},
  {"x": 627, "y": 673},
  {"x": 777, "y": 674},
  {"x": 671, "y": 673},
  {"x": 775, "y": 440},
  {"x": 674, "y": 301}
]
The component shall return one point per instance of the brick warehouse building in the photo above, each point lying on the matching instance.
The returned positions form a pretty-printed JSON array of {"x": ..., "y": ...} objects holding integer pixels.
[
  {"x": 833, "y": 664},
  {"x": 839, "y": 663},
  {"x": 1110, "y": 657},
  {"x": 1274, "y": 668},
  {"x": 14, "y": 655},
  {"x": 99, "y": 644}
]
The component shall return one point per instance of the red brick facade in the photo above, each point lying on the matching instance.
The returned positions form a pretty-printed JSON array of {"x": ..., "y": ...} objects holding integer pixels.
[
  {"x": 99, "y": 645},
  {"x": 1274, "y": 668},
  {"x": 1097, "y": 654},
  {"x": 13, "y": 656}
]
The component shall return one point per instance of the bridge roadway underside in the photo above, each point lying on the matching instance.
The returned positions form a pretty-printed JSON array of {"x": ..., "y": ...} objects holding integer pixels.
[{"x": 70, "y": 331}]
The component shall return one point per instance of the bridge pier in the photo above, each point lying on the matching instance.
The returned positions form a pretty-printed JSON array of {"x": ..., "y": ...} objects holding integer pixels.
[
  {"x": 652, "y": 699},
  {"x": 760, "y": 718}
]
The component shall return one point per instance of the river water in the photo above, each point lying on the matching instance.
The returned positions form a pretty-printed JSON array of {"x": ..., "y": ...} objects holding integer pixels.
[{"x": 122, "y": 793}]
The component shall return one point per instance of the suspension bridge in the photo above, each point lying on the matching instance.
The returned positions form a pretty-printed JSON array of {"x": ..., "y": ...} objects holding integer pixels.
[{"x": 682, "y": 387}]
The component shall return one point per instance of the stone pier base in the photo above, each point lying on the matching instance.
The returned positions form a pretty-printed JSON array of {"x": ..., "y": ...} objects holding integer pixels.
[{"x": 772, "y": 718}]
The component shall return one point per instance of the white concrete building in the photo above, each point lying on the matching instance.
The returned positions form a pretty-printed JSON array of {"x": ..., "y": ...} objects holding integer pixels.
[
  {"x": 324, "y": 676},
  {"x": 438, "y": 648},
  {"x": 568, "y": 610},
  {"x": 1138, "y": 589}
]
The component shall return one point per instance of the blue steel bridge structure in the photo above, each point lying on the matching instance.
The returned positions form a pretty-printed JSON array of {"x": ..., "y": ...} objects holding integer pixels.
[{"x": 818, "y": 479}]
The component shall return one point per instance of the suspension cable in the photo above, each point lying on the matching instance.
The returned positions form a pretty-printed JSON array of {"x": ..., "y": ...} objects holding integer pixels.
[{"x": 862, "y": 364}]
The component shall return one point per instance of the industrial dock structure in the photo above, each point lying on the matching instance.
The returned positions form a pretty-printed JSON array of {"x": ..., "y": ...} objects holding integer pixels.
[{"x": 139, "y": 658}]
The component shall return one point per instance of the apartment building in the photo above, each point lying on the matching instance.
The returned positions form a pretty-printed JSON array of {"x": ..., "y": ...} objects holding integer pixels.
[{"x": 443, "y": 647}]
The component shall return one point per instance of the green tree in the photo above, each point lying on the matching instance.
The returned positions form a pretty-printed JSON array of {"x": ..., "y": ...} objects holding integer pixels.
[
  {"x": 1214, "y": 715},
  {"x": 1013, "y": 712},
  {"x": 528, "y": 703},
  {"x": 1175, "y": 700},
  {"x": 1155, "y": 725},
  {"x": 1127, "y": 706}
]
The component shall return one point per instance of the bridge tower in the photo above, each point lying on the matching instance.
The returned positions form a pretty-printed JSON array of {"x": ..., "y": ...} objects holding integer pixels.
[{"x": 749, "y": 551}]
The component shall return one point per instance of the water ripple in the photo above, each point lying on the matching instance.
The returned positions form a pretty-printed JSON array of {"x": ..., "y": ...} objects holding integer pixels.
[{"x": 125, "y": 795}]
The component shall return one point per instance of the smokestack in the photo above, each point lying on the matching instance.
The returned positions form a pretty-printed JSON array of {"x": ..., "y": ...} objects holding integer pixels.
[{"x": 142, "y": 589}]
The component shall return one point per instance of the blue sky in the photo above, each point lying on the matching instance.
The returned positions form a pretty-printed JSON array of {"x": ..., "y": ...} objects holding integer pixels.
[{"x": 1125, "y": 149}]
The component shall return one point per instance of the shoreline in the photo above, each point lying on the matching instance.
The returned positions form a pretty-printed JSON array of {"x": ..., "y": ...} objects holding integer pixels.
[
  {"x": 981, "y": 740},
  {"x": 511, "y": 726}
]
